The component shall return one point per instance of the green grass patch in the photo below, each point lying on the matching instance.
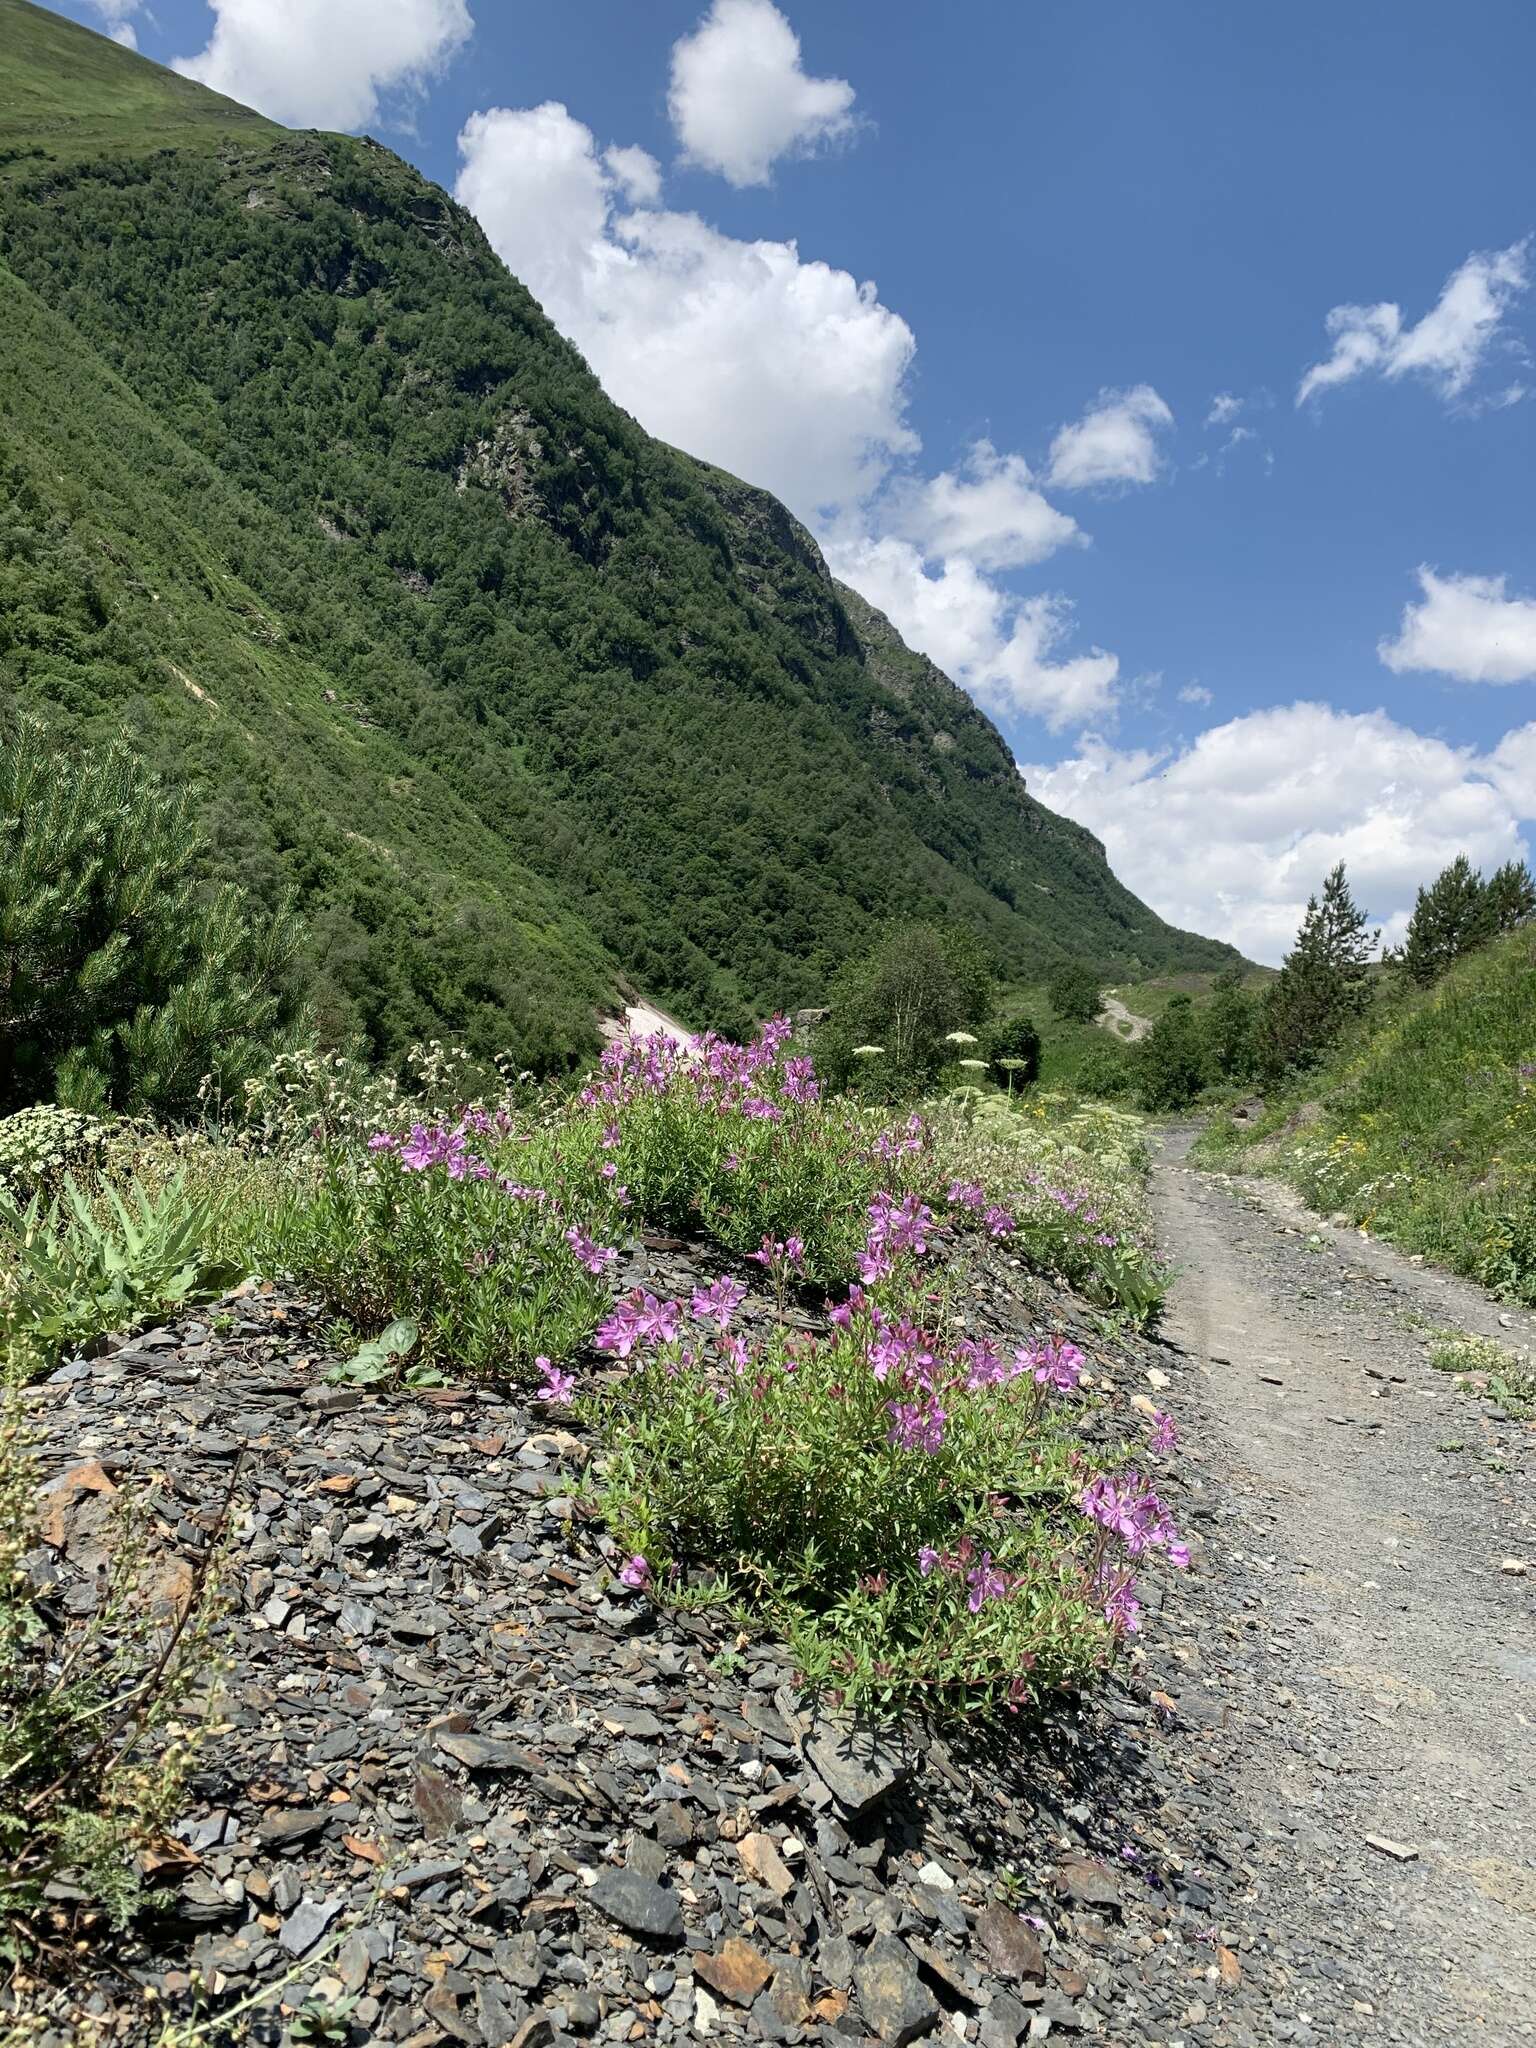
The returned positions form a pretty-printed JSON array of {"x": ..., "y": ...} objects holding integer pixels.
[
  {"x": 1424, "y": 1125},
  {"x": 68, "y": 93}
]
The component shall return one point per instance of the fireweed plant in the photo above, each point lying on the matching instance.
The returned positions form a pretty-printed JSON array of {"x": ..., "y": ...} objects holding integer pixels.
[
  {"x": 498, "y": 1236},
  {"x": 910, "y": 1508},
  {"x": 497, "y": 1232},
  {"x": 735, "y": 1141},
  {"x": 1067, "y": 1179}
]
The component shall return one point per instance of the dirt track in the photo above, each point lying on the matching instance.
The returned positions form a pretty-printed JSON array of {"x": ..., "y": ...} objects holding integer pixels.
[{"x": 1389, "y": 1709}]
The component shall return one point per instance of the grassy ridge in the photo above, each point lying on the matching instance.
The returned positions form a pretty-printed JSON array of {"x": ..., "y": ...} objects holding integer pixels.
[
  {"x": 70, "y": 93},
  {"x": 1424, "y": 1127}
]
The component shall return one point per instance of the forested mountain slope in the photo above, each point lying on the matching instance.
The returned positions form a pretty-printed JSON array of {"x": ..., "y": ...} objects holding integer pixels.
[{"x": 304, "y": 488}]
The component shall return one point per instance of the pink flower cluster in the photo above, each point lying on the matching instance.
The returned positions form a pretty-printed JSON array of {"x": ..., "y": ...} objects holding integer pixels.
[
  {"x": 982, "y": 1577},
  {"x": 893, "y": 1145},
  {"x": 1128, "y": 1507},
  {"x": 718, "y": 1302},
  {"x": 780, "y": 1255},
  {"x": 429, "y": 1145},
  {"x": 639, "y": 1320},
  {"x": 1053, "y": 1363},
  {"x": 597, "y": 1258},
  {"x": 894, "y": 1227},
  {"x": 754, "y": 1080},
  {"x": 997, "y": 1221},
  {"x": 916, "y": 1425}
]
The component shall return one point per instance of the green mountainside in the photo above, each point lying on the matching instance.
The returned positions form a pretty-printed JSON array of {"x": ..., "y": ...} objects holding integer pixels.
[{"x": 524, "y": 705}]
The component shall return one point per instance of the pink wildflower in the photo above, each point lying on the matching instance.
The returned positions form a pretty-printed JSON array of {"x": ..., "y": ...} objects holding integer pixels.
[
  {"x": 718, "y": 1303},
  {"x": 558, "y": 1386},
  {"x": 588, "y": 1252},
  {"x": 986, "y": 1583},
  {"x": 916, "y": 1425}
]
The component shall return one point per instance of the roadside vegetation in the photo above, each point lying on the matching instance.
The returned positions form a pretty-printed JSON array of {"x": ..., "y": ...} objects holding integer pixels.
[
  {"x": 1420, "y": 1124},
  {"x": 1401, "y": 1095},
  {"x": 818, "y": 1440}
]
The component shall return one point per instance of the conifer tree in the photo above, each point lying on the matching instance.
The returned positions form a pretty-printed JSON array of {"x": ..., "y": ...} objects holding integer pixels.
[
  {"x": 1324, "y": 983},
  {"x": 1460, "y": 911},
  {"x": 124, "y": 979},
  {"x": 1449, "y": 919},
  {"x": 1509, "y": 899}
]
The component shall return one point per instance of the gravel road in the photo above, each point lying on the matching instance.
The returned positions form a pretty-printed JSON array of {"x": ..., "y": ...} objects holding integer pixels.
[{"x": 1381, "y": 1534}]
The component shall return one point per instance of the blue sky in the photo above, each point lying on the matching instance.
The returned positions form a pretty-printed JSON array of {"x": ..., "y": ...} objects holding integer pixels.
[{"x": 1014, "y": 305}]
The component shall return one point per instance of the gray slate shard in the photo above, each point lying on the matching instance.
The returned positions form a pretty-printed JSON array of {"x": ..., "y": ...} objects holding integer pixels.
[
  {"x": 480, "y": 1752},
  {"x": 307, "y": 1923},
  {"x": 286, "y": 1830},
  {"x": 894, "y": 2000},
  {"x": 639, "y": 1904},
  {"x": 858, "y": 1764}
]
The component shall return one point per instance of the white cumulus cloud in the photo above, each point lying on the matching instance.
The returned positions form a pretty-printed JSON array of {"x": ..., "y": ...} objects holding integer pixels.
[
  {"x": 1231, "y": 834},
  {"x": 740, "y": 97},
  {"x": 789, "y": 372},
  {"x": 1115, "y": 441},
  {"x": 1467, "y": 627},
  {"x": 326, "y": 63},
  {"x": 1002, "y": 649},
  {"x": 116, "y": 20},
  {"x": 636, "y": 173},
  {"x": 1446, "y": 346},
  {"x": 990, "y": 510}
]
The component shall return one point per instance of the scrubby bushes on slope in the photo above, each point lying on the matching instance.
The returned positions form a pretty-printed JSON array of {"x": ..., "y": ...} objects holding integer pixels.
[{"x": 1428, "y": 1132}]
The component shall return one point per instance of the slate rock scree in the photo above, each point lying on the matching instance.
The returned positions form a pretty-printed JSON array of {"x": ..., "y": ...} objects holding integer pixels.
[{"x": 473, "y": 1784}]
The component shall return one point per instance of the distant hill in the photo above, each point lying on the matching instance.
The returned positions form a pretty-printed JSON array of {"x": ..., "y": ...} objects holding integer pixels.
[{"x": 528, "y": 707}]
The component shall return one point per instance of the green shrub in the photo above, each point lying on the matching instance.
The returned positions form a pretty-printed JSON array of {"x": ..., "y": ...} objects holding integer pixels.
[
  {"x": 1106, "y": 1072},
  {"x": 899, "y": 1503},
  {"x": 1013, "y": 1051},
  {"x": 122, "y": 981},
  {"x": 484, "y": 1266},
  {"x": 1171, "y": 1069},
  {"x": 1230, "y": 1023},
  {"x": 1074, "y": 993},
  {"x": 84, "y": 1266}
]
